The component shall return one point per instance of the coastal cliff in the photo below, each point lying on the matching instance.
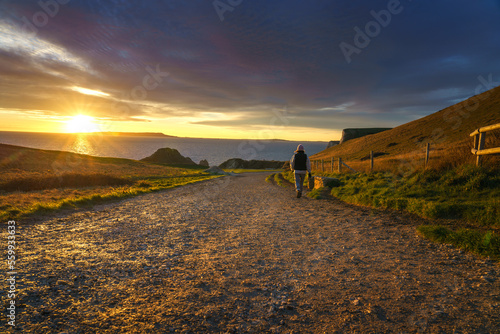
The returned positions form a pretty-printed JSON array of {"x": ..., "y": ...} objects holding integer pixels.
[
  {"x": 332, "y": 143},
  {"x": 348, "y": 134}
]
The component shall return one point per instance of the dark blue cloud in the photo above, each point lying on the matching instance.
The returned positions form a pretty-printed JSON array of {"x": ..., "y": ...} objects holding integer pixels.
[{"x": 267, "y": 54}]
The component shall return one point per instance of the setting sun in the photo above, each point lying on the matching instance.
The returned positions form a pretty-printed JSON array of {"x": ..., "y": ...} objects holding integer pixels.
[{"x": 81, "y": 123}]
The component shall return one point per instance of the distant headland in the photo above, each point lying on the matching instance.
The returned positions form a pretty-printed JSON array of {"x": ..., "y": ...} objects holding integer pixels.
[{"x": 131, "y": 134}]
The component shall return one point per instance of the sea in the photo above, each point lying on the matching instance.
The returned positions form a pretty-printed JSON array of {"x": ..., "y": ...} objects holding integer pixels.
[{"x": 215, "y": 151}]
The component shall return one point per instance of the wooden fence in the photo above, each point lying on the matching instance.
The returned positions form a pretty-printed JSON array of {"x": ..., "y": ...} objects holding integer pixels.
[
  {"x": 329, "y": 165},
  {"x": 479, "y": 150},
  {"x": 479, "y": 140}
]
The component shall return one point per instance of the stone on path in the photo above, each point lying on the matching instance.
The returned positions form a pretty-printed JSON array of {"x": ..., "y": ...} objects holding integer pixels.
[{"x": 215, "y": 171}]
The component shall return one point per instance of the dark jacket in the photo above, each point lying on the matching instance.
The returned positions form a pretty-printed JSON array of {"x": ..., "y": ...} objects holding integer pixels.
[{"x": 300, "y": 162}]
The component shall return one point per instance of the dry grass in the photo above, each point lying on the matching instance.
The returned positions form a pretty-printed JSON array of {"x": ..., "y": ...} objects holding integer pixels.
[
  {"x": 441, "y": 158},
  {"x": 447, "y": 131},
  {"x": 20, "y": 162},
  {"x": 37, "y": 181},
  {"x": 65, "y": 180}
]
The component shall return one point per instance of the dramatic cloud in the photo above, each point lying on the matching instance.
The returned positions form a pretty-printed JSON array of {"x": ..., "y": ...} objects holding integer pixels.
[{"x": 213, "y": 64}]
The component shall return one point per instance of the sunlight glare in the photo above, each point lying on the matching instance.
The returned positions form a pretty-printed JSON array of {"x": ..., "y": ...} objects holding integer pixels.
[{"x": 81, "y": 124}]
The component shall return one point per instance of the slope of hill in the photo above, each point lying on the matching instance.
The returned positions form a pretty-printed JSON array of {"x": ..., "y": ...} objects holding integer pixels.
[
  {"x": 446, "y": 130},
  {"x": 36, "y": 181},
  {"x": 17, "y": 161}
]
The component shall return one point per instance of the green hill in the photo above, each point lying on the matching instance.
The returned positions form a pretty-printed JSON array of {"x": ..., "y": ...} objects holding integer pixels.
[
  {"x": 36, "y": 181},
  {"x": 447, "y": 131}
]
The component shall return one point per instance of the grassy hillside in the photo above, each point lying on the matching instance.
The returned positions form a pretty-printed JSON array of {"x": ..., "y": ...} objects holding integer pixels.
[
  {"x": 462, "y": 200},
  {"x": 462, "y": 205},
  {"x": 447, "y": 131},
  {"x": 37, "y": 181}
]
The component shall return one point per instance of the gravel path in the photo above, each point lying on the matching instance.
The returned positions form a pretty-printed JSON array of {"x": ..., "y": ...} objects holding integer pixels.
[{"x": 237, "y": 255}]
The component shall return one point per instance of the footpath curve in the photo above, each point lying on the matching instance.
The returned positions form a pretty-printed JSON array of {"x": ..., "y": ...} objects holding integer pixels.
[{"x": 237, "y": 255}]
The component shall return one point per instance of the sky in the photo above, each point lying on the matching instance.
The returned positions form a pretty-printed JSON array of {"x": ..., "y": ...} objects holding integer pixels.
[{"x": 260, "y": 69}]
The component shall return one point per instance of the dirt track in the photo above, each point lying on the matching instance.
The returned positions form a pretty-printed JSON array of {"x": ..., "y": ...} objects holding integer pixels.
[{"x": 241, "y": 255}]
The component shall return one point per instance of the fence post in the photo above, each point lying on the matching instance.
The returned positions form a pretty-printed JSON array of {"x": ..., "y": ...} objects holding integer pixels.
[
  {"x": 427, "y": 154},
  {"x": 482, "y": 139},
  {"x": 371, "y": 161},
  {"x": 479, "y": 142},
  {"x": 340, "y": 165},
  {"x": 322, "y": 165},
  {"x": 332, "y": 164}
]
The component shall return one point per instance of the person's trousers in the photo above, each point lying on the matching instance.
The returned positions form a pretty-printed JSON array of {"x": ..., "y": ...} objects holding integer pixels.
[{"x": 299, "y": 181}]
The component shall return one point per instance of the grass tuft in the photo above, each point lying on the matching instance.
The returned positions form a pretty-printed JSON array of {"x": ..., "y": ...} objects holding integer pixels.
[
  {"x": 316, "y": 193},
  {"x": 467, "y": 192},
  {"x": 483, "y": 243},
  {"x": 280, "y": 180}
]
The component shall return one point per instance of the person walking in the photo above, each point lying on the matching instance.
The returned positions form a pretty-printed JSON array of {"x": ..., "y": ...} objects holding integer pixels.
[{"x": 301, "y": 165}]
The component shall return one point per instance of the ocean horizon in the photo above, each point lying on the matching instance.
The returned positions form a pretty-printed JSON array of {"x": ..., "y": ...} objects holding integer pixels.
[{"x": 215, "y": 151}]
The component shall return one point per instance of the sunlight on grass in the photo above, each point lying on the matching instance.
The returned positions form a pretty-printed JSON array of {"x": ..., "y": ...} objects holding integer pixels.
[
  {"x": 483, "y": 243},
  {"x": 465, "y": 194},
  {"x": 91, "y": 196},
  {"x": 40, "y": 181}
]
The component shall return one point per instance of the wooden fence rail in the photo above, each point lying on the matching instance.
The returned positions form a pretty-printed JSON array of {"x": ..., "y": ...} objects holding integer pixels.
[
  {"x": 479, "y": 150},
  {"x": 325, "y": 165},
  {"x": 479, "y": 140},
  {"x": 321, "y": 165}
]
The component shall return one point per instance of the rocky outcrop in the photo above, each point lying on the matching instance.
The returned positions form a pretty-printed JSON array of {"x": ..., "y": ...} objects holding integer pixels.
[
  {"x": 332, "y": 143},
  {"x": 168, "y": 156},
  {"x": 215, "y": 171},
  {"x": 348, "y": 134},
  {"x": 237, "y": 163}
]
